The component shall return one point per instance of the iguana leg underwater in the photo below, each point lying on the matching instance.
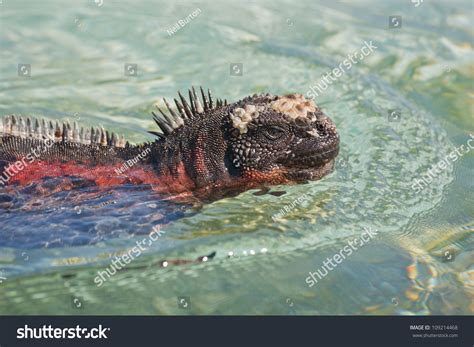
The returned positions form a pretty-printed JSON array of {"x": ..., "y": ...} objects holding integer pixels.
[{"x": 202, "y": 145}]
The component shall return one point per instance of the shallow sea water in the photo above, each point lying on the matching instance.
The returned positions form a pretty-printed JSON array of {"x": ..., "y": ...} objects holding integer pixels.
[{"x": 420, "y": 261}]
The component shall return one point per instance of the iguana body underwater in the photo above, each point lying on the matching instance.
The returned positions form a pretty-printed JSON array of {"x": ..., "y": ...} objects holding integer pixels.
[{"x": 202, "y": 146}]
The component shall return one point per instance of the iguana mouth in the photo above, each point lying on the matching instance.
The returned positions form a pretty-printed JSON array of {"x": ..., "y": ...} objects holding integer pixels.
[
  {"x": 314, "y": 160},
  {"x": 311, "y": 158},
  {"x": 312, "y": 165},
  {"x": 299, "y": 175}
]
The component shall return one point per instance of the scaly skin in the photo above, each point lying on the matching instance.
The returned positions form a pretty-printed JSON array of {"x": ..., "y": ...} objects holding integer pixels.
[{"x": 202, "y": 147}]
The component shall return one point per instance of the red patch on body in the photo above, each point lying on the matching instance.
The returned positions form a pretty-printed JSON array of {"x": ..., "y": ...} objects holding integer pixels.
[
  {"x": 103, "y": 175},
  {"x": 275, "y": 176},
  {"x": 178, "y": 184}
]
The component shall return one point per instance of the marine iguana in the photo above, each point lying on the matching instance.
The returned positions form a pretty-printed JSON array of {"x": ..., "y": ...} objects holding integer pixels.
[{"x": 202, "y": 145}]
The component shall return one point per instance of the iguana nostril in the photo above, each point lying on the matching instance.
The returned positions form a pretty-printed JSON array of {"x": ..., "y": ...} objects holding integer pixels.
[{"x": 302, "y": 122}]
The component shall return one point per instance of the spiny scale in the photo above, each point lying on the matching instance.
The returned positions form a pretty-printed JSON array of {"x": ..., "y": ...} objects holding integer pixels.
[
  {"x": 168, "y": 123},
  {"x": 13, "y": 125}
]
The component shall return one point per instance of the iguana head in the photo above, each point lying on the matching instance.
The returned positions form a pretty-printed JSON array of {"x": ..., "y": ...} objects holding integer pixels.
[
  {"x": 281, "y": 138},
  {"x": 262, "y": 139}
]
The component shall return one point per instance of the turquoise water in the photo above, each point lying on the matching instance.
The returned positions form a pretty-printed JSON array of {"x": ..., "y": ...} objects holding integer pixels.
[{"x": 419, "y": 262}]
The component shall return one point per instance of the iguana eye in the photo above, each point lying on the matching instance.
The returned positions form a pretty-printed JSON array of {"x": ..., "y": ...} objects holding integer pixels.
[{"x": 274, "y": 132}]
